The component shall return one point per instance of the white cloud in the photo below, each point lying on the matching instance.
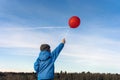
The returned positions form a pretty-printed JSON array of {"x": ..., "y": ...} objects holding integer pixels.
[
  {"x": 86, "y": 50},
  {"x": 95, "y": 53},
  {"x": 24, "y": 37},
  {"x": 29, "y": 38}
]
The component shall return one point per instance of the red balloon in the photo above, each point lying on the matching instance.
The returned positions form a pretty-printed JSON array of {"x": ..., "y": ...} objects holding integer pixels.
[{"x": 74, "y": 22}]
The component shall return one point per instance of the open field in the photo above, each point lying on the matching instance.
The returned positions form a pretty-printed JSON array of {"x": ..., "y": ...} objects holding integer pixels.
[{"x": 61, "y": 76}]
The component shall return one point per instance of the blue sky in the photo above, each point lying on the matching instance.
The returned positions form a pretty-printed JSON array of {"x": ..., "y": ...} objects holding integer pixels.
[{"x": 94, "y": 46}]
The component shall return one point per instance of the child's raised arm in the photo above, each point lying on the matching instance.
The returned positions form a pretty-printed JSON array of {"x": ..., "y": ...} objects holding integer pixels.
[{"x": 57, "y": 50}]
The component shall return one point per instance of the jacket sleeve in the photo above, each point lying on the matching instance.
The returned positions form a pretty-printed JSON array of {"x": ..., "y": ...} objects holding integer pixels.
[
  {"x": 56, "y": 51},
  {"x": 36, "y": 65}
]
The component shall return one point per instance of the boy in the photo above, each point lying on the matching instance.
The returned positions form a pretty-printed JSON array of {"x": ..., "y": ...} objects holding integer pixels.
[{"x": 44, "y": 65}]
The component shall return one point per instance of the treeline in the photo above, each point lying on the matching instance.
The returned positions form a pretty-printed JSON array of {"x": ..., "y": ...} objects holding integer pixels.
[
  {"x": 61, "y": 76},
  {"x": 17, "y": 76}
]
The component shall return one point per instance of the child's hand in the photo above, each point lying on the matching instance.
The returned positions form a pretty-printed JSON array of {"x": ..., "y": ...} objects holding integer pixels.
[{"x": 63, "y": 40}]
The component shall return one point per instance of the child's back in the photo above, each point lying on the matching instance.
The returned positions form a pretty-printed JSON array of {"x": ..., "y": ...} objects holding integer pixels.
[{"x": 44, "y": 65}]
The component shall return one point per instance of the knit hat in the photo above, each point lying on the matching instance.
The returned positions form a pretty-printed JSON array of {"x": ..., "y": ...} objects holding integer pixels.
[{"x": 45, "y": 47}]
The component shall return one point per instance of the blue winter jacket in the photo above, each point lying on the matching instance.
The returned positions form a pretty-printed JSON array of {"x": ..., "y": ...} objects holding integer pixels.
[{"x": 44, "y": 65}]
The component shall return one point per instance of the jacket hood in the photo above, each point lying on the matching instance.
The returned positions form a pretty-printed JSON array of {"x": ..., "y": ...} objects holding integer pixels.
[{"x": 44, "y": 55}]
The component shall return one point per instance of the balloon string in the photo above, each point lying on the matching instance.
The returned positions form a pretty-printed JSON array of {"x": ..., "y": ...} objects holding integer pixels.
[{"x": 66, "y": 34}]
